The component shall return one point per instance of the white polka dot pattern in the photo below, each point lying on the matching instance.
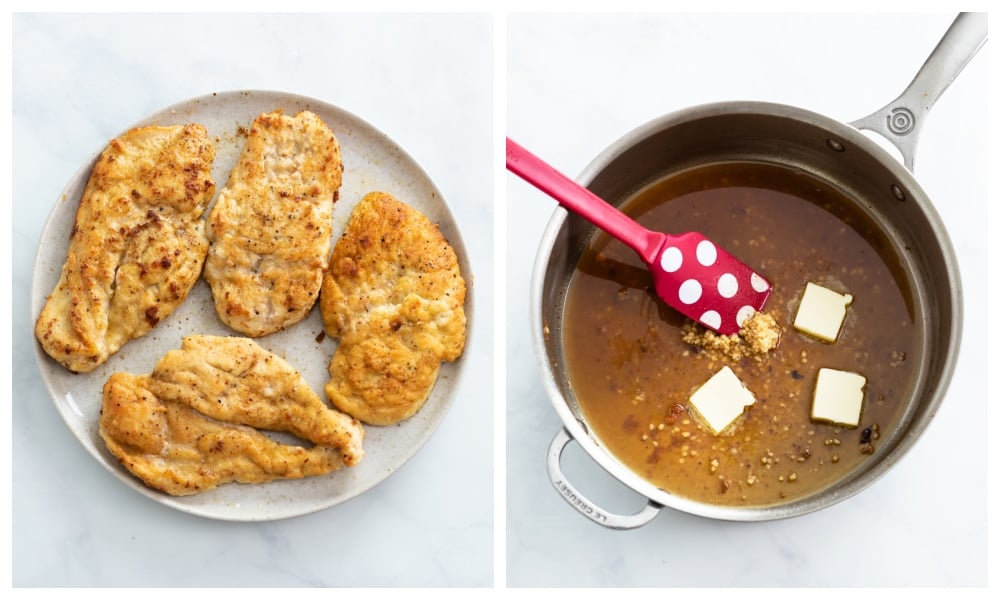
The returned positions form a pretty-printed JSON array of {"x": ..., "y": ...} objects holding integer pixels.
[
  {"x": 759, "y": 283},
  {"x": 671, "y": 259},
  {"x": 711, "y": 318},
  {"x": 744, "y": 313},
  {"x": 689, "y": 292},
  {"x": 706, "y": 253},
  {"x": 706, "y": 283},
  {"x": 728, "y": 286}
]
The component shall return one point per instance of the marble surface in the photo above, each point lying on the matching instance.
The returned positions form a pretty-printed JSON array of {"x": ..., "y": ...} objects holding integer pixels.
[
  {"x": 577, "y": 83},
  {"x": 425, "y": 80},
  {"x": 574, "y": 85}
]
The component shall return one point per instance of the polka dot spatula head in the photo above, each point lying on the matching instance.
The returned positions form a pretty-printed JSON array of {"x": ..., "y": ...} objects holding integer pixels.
[{"x": 690, "y": 272}]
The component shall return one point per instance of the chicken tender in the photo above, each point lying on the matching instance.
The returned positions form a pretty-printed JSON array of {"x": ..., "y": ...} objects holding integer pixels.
[
  {"x": 235, "y": 380},
  {"x": 174, "y": 449},
  {"x": 271, "y": 227},
  {"x": 394, "y": 296},
  {"x": 137, "y": 246}
]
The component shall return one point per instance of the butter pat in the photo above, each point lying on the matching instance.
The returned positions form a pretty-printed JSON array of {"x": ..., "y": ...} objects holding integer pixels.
[
  {"x": 821, "y": 312},
  {"x": 838, "y": 397},
  {"x": 721, "y": 399}
]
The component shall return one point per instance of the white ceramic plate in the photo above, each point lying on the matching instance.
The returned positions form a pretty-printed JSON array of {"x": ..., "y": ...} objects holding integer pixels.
[{"x": 372, "y": 161}]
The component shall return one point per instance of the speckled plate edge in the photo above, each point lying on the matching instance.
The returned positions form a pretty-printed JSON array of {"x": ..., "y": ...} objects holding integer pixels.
[{"x": 372, "y": 161}]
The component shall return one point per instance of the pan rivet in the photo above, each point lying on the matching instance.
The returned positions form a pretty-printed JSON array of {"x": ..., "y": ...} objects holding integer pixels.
[
  {"x": 835, "y": 145},
  {"x": 898, "y": 193}
]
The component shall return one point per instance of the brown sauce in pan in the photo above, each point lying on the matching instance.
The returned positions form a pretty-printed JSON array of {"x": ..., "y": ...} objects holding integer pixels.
[{"x": 632, "y": 374}]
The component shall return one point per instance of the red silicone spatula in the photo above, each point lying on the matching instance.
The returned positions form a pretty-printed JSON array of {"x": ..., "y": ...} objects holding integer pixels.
[{"x": 690, "y": 272}]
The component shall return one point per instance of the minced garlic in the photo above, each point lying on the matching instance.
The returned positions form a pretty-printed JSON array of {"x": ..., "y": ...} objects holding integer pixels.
[{"x": 758, "y": 336}]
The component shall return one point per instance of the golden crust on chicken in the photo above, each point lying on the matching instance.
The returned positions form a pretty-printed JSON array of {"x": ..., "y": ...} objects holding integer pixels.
[
  {"x": 137, "y": 246},
  {"x": 175, "y": 449},
  {"x": 271, "y": 227},
  {"x": 197, "y": 420},
  {"x": 235, "y": 380},
  {"x": 394, "y": 296}
]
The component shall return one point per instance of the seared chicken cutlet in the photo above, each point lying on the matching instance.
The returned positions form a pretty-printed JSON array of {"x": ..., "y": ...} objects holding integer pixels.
[
  {"x": 394, "y": 296},
  {"x": 137, "y": 245},
  {"x": 271, "y": 227},
  {"x": 174, "y": 449},
  {"x": 235, "y": 380},
  {"x": 193, "y": 423}
]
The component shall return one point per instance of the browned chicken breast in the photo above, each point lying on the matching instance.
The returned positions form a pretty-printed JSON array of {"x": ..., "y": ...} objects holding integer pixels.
[
  {"x": 173, "y": 448},
  {"x": 271, "y": 227},
  {"x": 193, "y": 424},
  {"x": 234, "y": 380},
  {"x": 395, "y": 297},
  {"x": 137, "y": 245}
]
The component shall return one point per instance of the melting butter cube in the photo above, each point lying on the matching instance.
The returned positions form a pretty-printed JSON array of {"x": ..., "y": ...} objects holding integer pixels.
[
  {"x": 721, "y": 399},
  {"x": 821, "y": 312},
  {"x": 838, "y": 397}
]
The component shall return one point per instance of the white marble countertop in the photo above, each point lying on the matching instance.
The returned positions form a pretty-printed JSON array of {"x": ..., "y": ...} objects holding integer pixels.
[
  {"x": 423, "y": 80},
  {"x": 575, "y": 85}
]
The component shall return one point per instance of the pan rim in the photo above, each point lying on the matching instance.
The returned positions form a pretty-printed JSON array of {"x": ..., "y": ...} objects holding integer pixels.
[{"x": 932, "y": 391}]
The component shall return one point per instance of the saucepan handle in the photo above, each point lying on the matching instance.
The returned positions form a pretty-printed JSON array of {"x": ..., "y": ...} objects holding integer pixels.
[
  {"x": 584, "y": 506},
  {"x": 900, "y": 120}
]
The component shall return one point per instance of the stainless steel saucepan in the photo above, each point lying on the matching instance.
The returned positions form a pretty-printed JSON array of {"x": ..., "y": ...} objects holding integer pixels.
[{"x": 837, "y": 153}]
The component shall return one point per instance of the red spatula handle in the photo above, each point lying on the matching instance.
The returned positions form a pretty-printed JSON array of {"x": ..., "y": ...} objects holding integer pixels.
[{"x": 582, "y": 201}]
